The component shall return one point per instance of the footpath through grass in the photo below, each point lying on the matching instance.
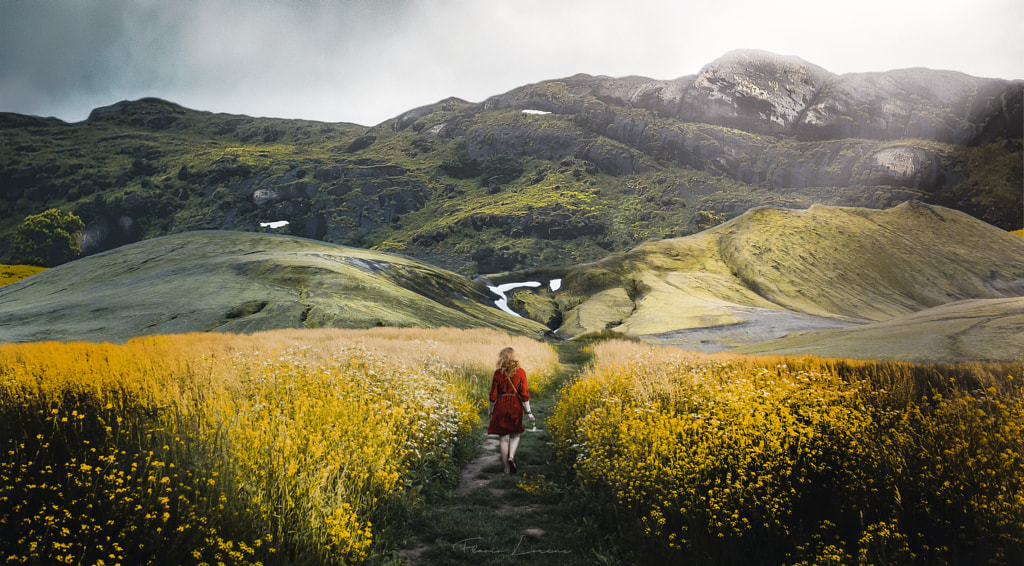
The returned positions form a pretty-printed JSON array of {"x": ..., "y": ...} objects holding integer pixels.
[{"x": 531, "y": 517}]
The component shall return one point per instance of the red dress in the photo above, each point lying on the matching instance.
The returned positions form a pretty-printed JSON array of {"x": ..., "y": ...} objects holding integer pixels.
[{"x": 507, "y": 417}]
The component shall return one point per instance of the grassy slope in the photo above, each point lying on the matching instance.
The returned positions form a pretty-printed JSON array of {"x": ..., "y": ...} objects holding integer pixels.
[
  {"x": 979, "y": 330},
  {"x": 871, "y": 264},
  {"x": 99, "y": 164},
  {"x": 240, "y": 282},
  {"x": 848, "y": 264}
]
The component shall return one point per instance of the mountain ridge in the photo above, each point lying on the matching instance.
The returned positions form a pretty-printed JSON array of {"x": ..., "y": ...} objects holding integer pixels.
[
  {"x": 483, "y": 187},
  {"x": 752, "y": 89}
]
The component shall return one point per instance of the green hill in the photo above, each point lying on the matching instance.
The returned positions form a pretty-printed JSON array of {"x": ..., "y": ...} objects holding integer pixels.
[
  {"x": 774, "y": 271},
  {"x": 976, "y": 330},
  {"x": 240, "y": 282},
  {"x": 550, "y": 174},
  {"x": 915, "y": 282}
]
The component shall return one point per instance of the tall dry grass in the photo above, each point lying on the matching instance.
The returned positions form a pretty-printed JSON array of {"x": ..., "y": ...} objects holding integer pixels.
[
  {"x": 772, "y": 460},
  {"x": 276, "y": 448},
  {"x": 473, "y": 351}
]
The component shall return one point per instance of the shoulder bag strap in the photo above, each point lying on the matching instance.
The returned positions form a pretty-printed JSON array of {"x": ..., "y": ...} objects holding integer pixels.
[{"x": 514, "y": 388}]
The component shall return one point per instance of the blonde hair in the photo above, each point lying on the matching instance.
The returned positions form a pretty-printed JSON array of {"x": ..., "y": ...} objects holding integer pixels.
[{"x": 507, "y": 361}]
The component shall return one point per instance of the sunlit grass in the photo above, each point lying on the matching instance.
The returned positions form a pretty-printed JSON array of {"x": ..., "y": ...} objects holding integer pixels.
[
  {"x": 12, "y": 273},
  {"x": 729, "y": 459},
  {"x": 276, "y": 448}
]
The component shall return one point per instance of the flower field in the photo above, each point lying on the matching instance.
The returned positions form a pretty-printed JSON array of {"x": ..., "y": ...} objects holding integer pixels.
[
  {"x": 738, "y": 460},
  {"x": 276, "y": 448},
  {"x": 13, "y": 273}
]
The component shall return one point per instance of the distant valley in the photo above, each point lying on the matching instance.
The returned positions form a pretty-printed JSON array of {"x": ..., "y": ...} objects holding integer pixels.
[
  {"x": 764, "y": 205},
  {"x": 915, "y": 282}
]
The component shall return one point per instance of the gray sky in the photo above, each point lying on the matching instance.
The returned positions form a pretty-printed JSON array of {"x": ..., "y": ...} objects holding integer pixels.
[{"x": 366, "y": 61}]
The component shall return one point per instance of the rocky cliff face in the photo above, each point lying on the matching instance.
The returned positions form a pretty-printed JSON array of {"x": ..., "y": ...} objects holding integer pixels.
[
  {"x": 763, "y": 93},
  {"x": 557, "y": 172}
]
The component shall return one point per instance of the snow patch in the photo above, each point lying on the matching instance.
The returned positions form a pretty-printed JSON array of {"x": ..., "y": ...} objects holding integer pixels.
[
  {"x": 535, "y": 112},
  {"x": 275, "y": 224},
  {"x": 502, "y": 301},
  {"x": 501, "y": 290}
]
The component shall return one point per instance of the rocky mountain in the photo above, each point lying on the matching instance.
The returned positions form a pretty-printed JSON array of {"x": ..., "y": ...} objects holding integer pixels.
[{"x": 551, "y": 174}]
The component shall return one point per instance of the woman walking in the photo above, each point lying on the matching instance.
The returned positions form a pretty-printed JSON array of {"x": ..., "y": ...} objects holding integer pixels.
[{"x": 509, "y": 398}]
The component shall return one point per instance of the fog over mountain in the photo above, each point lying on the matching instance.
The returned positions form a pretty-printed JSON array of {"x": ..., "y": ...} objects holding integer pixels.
[{"x": 365, "y": 61}]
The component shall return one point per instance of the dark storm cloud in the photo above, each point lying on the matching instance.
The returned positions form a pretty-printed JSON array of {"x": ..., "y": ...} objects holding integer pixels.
[
  {"x": 230, "y": 54},
  {"x": 49, "y": 47},
  {"x": 367, "y": 60}
]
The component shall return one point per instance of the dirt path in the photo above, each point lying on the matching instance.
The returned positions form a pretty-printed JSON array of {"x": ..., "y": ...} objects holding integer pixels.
[
  {"x": 473, "y": 475},
  {"x": 491, "y": 518}
]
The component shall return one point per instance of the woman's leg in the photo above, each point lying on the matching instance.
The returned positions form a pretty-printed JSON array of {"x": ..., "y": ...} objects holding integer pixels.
[
  {"x": 503, "y": 446},
  {"x": 513, "y": 444}
]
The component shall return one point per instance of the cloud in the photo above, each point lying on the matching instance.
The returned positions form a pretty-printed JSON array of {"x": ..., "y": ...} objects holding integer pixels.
[{"x": 365, "y": 61}]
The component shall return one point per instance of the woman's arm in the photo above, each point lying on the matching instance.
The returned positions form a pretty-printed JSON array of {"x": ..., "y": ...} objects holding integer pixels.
[
  {"x": 494, "y": 387},
  {"x": 524, "y": 387},
  {"x": 524, "y": 396},
  {"x": 493, "y": 395}
]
